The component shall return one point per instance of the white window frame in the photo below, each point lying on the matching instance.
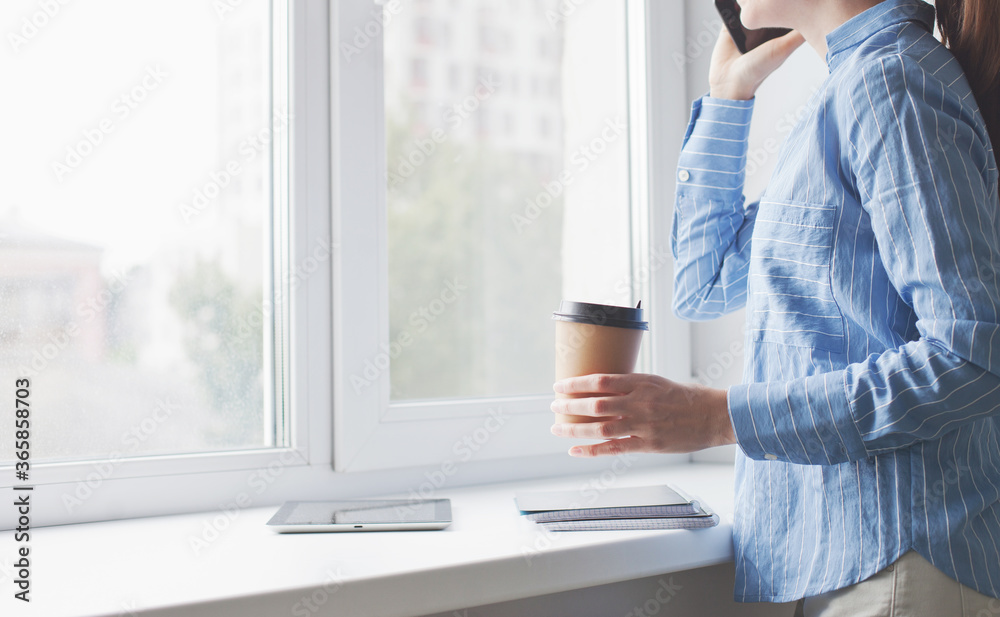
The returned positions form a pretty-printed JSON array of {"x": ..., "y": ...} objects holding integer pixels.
[
  {"x": 333, "y": 97},
  {"x": 372, "y": 433},
  {"x": 117, "y": 488}
]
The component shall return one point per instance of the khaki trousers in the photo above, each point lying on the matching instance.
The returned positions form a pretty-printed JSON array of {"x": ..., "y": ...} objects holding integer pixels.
[{"x": 911, "y": 587}]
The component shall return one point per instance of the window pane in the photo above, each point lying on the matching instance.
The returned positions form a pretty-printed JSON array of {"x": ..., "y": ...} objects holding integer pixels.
[
  {"x": 135, "y": 225},
  {"x": 507, "y": 185}
]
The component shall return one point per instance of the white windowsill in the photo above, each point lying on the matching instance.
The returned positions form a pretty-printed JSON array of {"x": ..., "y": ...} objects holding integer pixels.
[{"x": 141, "y": 565}]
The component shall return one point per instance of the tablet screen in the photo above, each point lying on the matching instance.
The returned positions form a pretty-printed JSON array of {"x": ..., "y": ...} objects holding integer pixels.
[{"x": 370, "y": 512}]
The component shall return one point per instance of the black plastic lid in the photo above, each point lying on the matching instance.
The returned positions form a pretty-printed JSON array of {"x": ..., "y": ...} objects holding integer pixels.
[{"x": 601, "y": 315}]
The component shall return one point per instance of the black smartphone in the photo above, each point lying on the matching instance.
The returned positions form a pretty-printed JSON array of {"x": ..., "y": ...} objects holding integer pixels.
[{"x": 745, "y": 39}]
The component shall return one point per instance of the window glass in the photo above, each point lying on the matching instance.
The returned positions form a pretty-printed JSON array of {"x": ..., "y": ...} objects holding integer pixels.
[
  {"x": 135, "y": 224},
  {"x": 507, "y": 183}
]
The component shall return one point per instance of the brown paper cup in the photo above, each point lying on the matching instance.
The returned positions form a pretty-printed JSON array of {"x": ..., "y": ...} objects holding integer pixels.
[{"x": 595, "y": 338}]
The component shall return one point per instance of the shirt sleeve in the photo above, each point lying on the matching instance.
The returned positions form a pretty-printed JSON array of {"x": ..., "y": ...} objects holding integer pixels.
[
  {"x": 924, "y": 172},
  {"x": 710, "y": 238}
]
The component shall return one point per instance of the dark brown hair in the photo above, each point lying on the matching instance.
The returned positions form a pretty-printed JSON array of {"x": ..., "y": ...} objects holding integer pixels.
[{"x": 971, "y": 29}]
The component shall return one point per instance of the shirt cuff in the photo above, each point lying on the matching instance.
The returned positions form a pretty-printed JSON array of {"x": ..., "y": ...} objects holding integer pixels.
[
  {"x": 714, "y": 154},
  {"x": 806, "y": 421}
]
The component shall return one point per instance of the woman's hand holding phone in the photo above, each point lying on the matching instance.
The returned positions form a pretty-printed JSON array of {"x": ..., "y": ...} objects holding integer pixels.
[{"x": 737, "y": 76}]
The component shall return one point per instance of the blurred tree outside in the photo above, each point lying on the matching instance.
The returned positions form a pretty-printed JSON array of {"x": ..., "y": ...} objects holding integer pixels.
[
  {"x": 451, "y": 218},
  {"x": 224, "y": 340}
]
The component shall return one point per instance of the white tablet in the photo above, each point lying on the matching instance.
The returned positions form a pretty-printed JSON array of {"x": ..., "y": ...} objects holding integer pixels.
[{"x": 361, "y": 515}]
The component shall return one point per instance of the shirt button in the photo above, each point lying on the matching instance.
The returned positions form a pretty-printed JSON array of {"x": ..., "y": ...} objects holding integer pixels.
[
  {"x": 770, "y": 457},
  {"x": 683, "y": 176}
]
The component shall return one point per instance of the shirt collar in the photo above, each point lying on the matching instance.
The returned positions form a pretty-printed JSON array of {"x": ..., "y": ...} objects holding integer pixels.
[{"x": 859, "y": 28}]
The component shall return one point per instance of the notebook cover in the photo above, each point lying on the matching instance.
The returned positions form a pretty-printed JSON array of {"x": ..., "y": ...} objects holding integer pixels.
[{"x": 589, "y": 498}]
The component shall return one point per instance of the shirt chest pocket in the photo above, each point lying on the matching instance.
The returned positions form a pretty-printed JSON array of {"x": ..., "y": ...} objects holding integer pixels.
[{"x": 791, "y": 294}]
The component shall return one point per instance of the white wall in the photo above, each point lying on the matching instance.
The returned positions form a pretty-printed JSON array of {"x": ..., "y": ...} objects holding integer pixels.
[
  {"x": 717, "y": 346},
  {"x": 693, "y": 593}
]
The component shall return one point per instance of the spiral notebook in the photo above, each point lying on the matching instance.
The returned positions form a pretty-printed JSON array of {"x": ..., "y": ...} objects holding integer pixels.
[
  {"x": 644, "y": 507},
  {"x": 707, "y": 519}
]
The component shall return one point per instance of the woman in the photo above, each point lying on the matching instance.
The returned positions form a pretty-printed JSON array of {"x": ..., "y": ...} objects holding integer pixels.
[{"x": 868, "y": 481}]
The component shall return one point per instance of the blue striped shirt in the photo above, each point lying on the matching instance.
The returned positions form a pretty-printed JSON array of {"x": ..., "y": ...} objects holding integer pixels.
[{"x": 870, "y": 410}]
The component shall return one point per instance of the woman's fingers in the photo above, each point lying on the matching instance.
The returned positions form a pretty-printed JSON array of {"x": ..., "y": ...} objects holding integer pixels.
[
  {"x": 610, "y": 429},
  {"x": 595, "y": 384},
  {"x": 596, "y": 406},
  {"x": 614, "y": 447},
  {"x": 735, "y": 76},
  {"x": 725, "y": 48},
  {"x": 772, "y": 54}
]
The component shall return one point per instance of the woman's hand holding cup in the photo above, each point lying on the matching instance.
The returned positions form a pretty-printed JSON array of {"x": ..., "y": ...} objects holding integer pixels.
[{"x": 642, "y": 413}]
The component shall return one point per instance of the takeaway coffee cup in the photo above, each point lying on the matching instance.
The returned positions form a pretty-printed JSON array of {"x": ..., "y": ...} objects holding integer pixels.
[{"x": 595, "y": 338}]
